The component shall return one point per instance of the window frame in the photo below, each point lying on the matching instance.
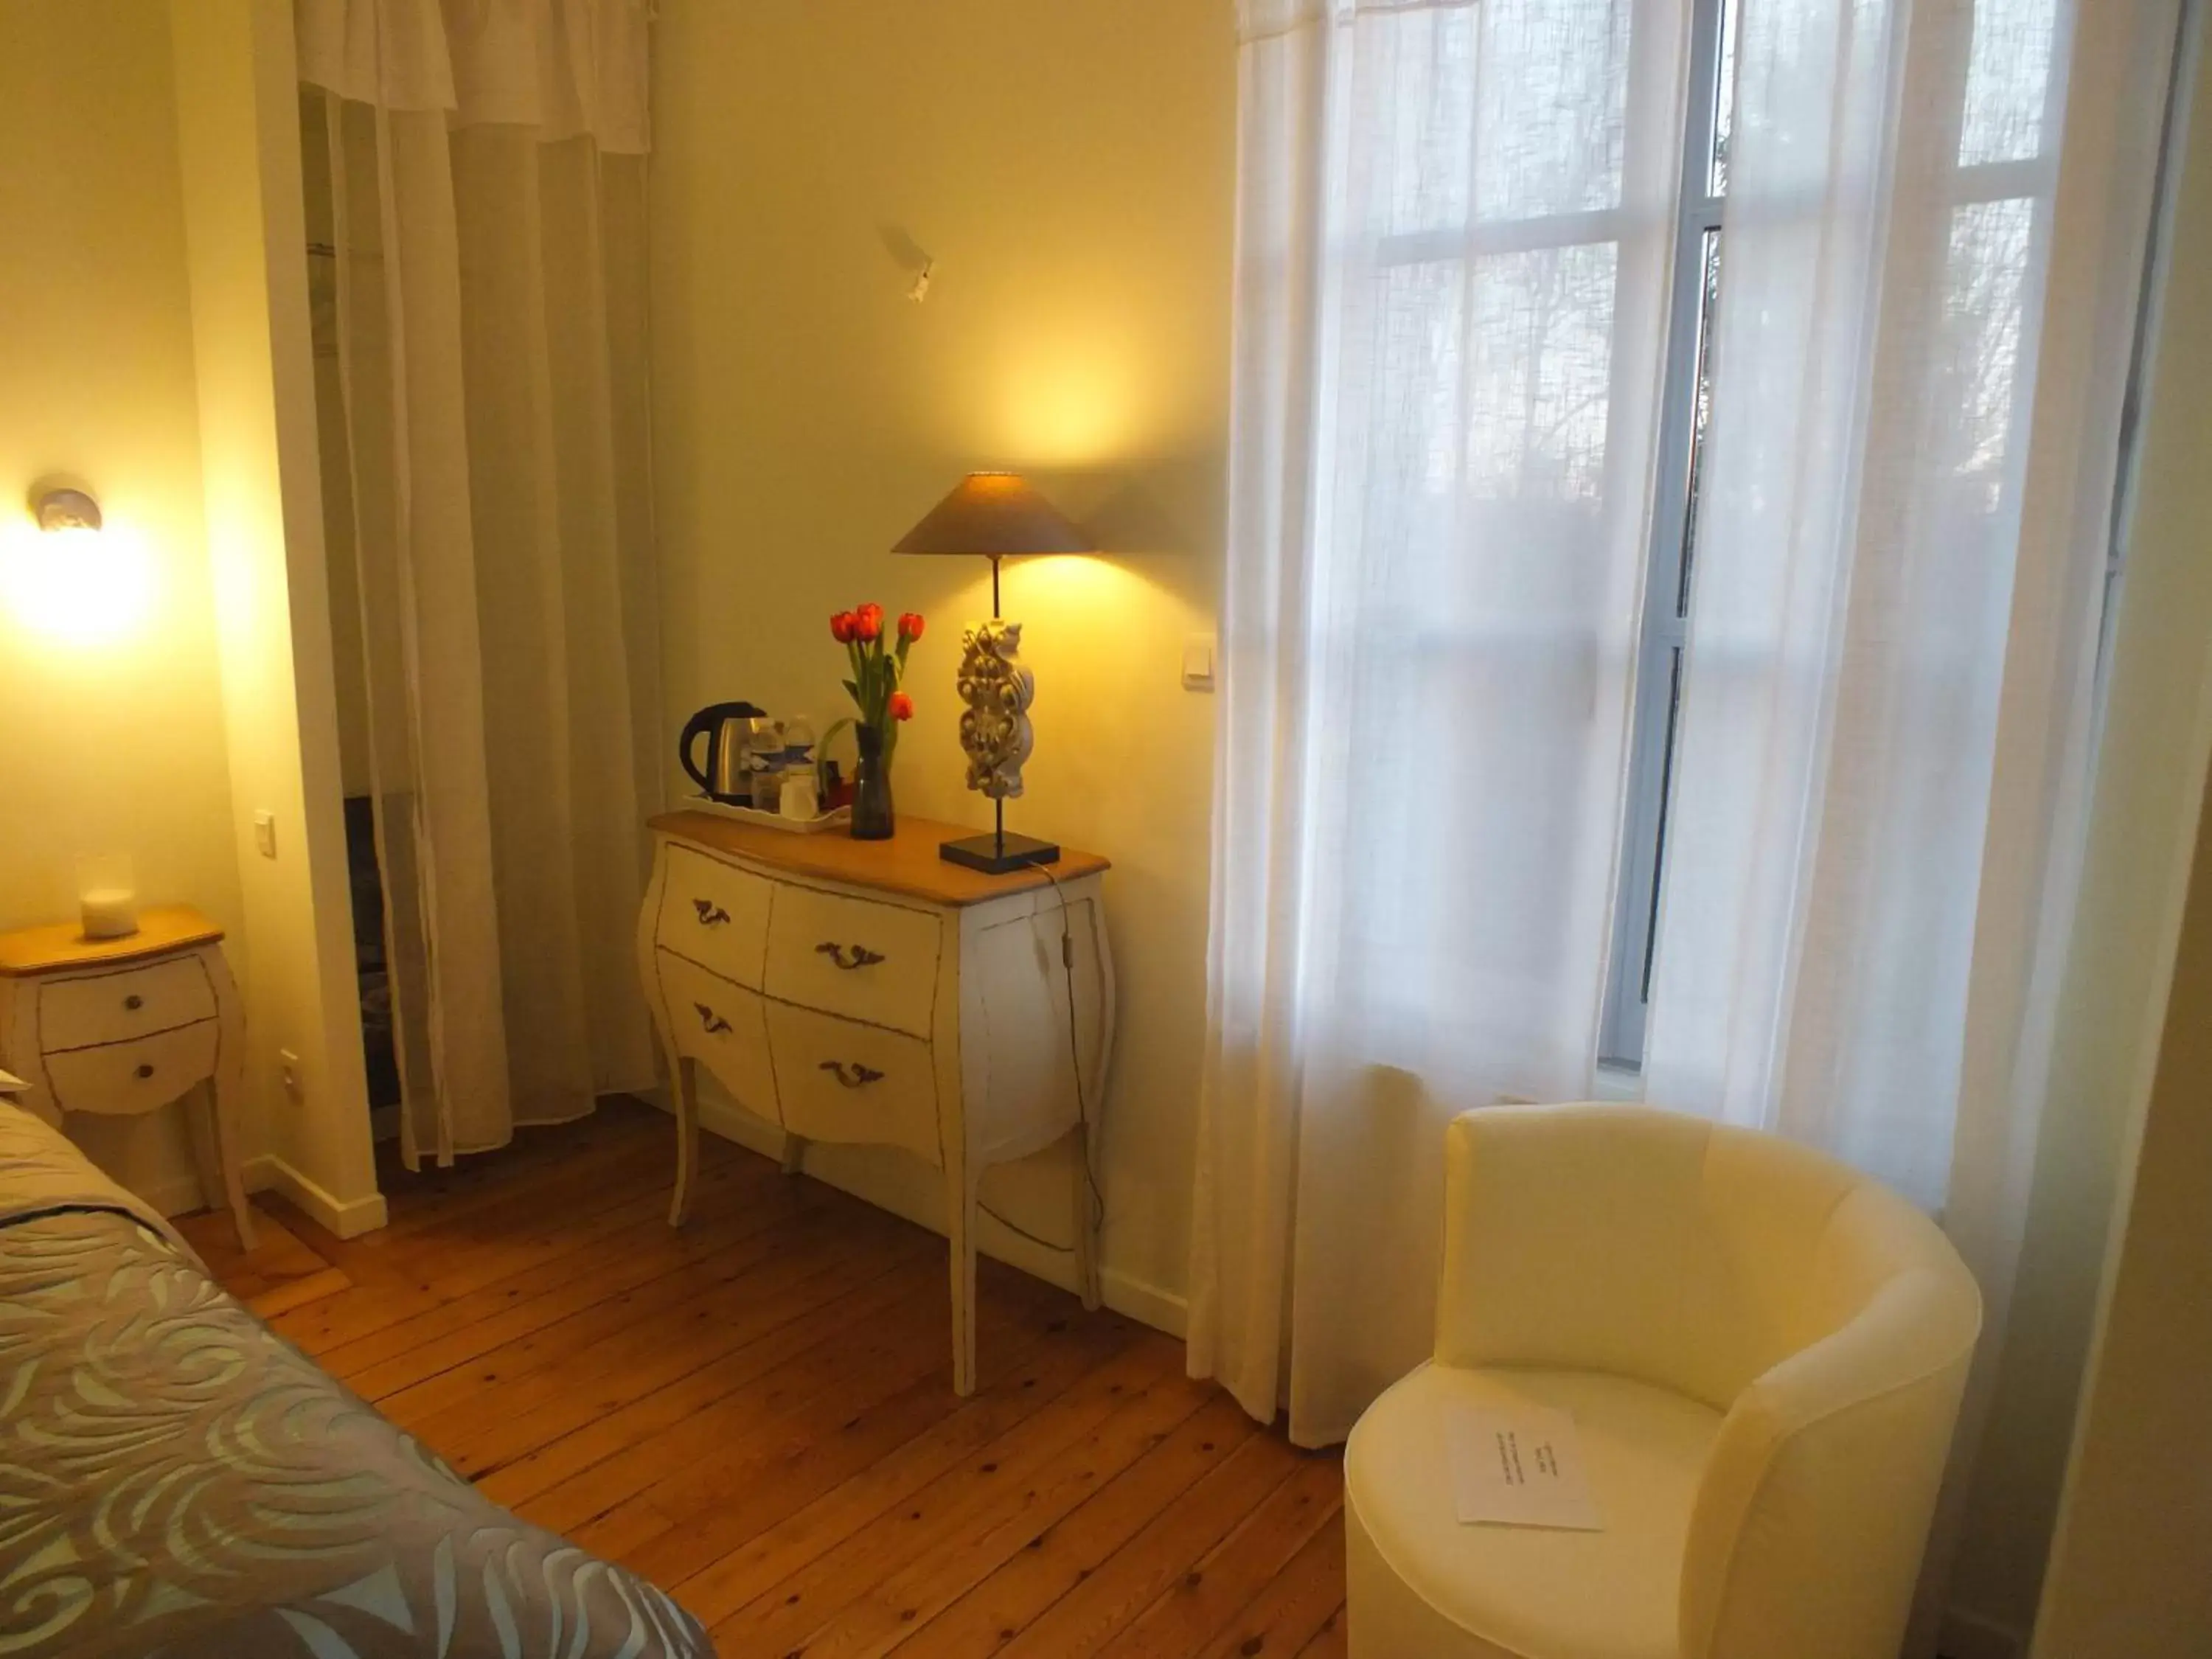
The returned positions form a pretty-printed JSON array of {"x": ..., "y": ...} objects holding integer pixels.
[
  {"x": 1662, "y": 638},
  {"x": 1662, "y": 629}
]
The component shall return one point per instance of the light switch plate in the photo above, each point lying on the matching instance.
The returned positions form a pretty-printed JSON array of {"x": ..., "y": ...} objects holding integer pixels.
[
  {"x": 1198, "y": 662},
  {"x": 264, "y": 834}
]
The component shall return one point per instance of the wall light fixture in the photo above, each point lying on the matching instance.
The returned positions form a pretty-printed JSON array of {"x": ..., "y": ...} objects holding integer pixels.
[{"x": 67, "y": 509}]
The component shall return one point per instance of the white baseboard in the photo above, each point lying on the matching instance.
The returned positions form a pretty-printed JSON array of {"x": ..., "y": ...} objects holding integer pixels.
[
  {"x": 918, "y": 1202},
  {"x": 342, "y": 1218},
  {"x": 1969, "y": 1636}
]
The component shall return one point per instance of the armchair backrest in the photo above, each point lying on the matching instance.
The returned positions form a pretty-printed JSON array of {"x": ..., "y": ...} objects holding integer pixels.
[{"x": 1830, "y": 1321}]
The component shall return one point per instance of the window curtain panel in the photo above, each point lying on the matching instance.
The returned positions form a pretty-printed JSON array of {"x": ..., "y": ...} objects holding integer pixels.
[
  {"x": 1454, "y": 228},
  {"x": 476, "y": 180},
  {"x": 1453, "y": 240}
]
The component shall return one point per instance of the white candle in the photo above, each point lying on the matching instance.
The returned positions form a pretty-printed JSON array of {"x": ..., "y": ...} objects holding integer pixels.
[{"x": 107, "y": 897}]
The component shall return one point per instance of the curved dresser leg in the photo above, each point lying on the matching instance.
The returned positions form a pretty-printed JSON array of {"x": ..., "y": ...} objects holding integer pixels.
[
  {"x": 960, "y": 1230},
  {"x": 684, "y": 1093}
]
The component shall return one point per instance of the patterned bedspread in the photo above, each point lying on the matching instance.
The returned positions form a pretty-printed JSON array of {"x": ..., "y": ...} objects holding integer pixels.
[{"x": 176, "y": 1480}]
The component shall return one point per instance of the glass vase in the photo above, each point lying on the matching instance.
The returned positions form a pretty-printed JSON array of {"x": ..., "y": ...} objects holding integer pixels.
[{"x": 872, "y": 818}]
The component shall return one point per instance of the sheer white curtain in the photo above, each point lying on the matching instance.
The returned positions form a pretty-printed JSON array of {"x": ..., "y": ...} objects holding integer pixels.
[
  {"x": 1454, "y": 230},
  {"x": 1936, "y": 224},
  {"x": 1456, "y": 227},
  {"x": 482, "y": 168}
]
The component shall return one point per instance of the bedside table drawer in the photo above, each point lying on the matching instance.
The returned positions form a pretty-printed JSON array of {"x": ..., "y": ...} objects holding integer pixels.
[
  {"x": 853, "y": 957},
  {"x": 84, "y": 1013},
  {"x": 121, "y": 1080},
  {"x": 853, "y": 1084},
  {"x": 714, "y": 914},
  {"x": 719, "y": 1024}
]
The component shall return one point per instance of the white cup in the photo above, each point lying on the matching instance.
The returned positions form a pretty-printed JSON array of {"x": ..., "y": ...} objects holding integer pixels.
[{"x": 799, "y": 801}]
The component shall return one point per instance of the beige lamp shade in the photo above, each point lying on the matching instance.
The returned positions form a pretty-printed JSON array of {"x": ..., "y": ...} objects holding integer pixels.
[{"x": 998, "y": 515}]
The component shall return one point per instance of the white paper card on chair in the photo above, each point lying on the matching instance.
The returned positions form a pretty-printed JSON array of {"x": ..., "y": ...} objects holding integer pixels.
[
  {"x": 12, "y": 1084},
  {"x": 1519, "y": 1465}
]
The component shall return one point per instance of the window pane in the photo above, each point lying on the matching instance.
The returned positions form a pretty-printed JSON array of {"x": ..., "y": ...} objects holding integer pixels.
[
  {"x": 2007, "y": 80},
  {"x": 1984, "y": 289},
  {"x": 1701, "y": 409},
  {"x": 1553, "y": 106},
  {"x": 1723, "y": 102},
  {"x": 1507, "y": 111},
  {"x": 1414, "y": 416},
  {"x": 1539, "y": 348},
  {"x": 1418, "y": 70}
]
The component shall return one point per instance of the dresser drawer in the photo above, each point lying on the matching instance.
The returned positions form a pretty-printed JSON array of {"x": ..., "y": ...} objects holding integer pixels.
[
  {"x": 721, "y": 1026},
  {"x": 121, "y": 1080},
  {"x": 850, "y": 1083},
  {"x": 115, "y": 1007},
  {"x": 714, "y": 914},
  {"x": 853, "y": 957}
]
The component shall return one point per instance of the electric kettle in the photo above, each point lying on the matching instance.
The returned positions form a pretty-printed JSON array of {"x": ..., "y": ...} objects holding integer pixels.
[{"x": 727, "y": 726}]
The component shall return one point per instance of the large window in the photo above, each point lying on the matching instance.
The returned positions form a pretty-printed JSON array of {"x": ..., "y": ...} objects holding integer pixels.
[{"x": 2002, "y": 102}]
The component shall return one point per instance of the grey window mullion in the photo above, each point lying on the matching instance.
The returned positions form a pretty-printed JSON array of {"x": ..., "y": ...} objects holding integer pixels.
[{"x": 1663, "y": 630}]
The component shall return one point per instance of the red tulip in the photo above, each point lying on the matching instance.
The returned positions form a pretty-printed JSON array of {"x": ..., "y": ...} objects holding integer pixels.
[
  {"x": 844, "y": 628},
  {"x": 902, "y": 706},
  {"x": 911, "y": 625},
  {"x": 868, "y": 623}
]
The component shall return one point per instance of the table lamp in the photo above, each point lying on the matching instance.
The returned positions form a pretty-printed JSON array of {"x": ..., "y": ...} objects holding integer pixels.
[{"x": 998, "y": 515}]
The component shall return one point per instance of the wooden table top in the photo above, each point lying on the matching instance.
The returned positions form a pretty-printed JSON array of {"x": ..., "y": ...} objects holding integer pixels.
[
  {"x": 161, "y": 929},
  {"x": 908, "y": 863}
]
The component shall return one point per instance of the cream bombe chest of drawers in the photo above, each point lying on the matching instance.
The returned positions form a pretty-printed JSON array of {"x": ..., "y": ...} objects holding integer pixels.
[
  {"x": 869, "y": 992},
  {"x": 121, "y": 1026}
]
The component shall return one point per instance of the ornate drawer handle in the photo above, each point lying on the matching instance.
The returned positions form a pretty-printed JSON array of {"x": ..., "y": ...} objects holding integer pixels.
[
  {"x": 143, "y": 1071},
  {"x": 861, "y": 956},
  {"x": 711, "y": 915},
  {"x": 712, "y": 1023},
  {"x": 133, "y": 1003},
  {"x": 860, "y": 1077}
]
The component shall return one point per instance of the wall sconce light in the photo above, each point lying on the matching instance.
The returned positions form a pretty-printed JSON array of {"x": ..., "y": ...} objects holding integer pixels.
[
  {"x": 68, "y": 575},
  {"x": 67, "y": 509}
]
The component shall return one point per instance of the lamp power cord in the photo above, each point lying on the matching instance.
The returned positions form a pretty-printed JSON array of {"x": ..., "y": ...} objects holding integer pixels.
[{"x": 1097, "y": 1196}]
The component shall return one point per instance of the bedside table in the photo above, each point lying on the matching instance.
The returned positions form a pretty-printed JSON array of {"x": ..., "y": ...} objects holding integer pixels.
[{"x": 122, "y": 1026}]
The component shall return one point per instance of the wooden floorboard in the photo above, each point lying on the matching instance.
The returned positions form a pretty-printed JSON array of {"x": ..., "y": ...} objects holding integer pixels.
[{"x": 758, "y": 1412}]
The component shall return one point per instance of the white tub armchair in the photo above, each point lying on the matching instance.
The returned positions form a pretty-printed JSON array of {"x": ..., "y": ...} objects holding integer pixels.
[{"x": 1762, "y": 1351}]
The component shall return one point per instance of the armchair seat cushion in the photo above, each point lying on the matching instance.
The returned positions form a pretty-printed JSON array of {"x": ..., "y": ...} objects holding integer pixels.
[{"x": 1489, "y": 1592}]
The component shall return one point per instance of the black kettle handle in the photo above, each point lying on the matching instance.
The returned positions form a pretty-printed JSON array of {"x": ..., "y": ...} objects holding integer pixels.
[{"x": 702, "y": 724}]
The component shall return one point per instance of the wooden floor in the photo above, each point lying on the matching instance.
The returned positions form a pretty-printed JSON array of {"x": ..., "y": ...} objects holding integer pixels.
[{"x": 757, "y": 1412}]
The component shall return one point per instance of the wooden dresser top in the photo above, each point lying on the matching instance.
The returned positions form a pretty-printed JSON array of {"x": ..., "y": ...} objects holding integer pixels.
[
  {"x": 161, "y": 929},
  {"x": 908, "y": 863}
]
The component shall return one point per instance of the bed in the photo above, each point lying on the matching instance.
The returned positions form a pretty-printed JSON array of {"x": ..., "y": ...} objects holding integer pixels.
[{"x": 176, "y": 1480}]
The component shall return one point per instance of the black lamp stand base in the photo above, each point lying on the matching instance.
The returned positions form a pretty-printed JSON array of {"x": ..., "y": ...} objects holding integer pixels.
[{"x": 996, "y": 856}]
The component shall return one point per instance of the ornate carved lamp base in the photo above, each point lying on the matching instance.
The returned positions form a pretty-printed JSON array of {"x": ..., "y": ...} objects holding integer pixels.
[{"x": 994, "y": 731}]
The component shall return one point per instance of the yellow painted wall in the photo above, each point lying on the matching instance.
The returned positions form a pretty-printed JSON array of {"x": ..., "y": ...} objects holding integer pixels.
[
  {"x": 2150, "y": 776},
  {"x": 1070, "y": 167},
  {"x": 116, "y": 744}
]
